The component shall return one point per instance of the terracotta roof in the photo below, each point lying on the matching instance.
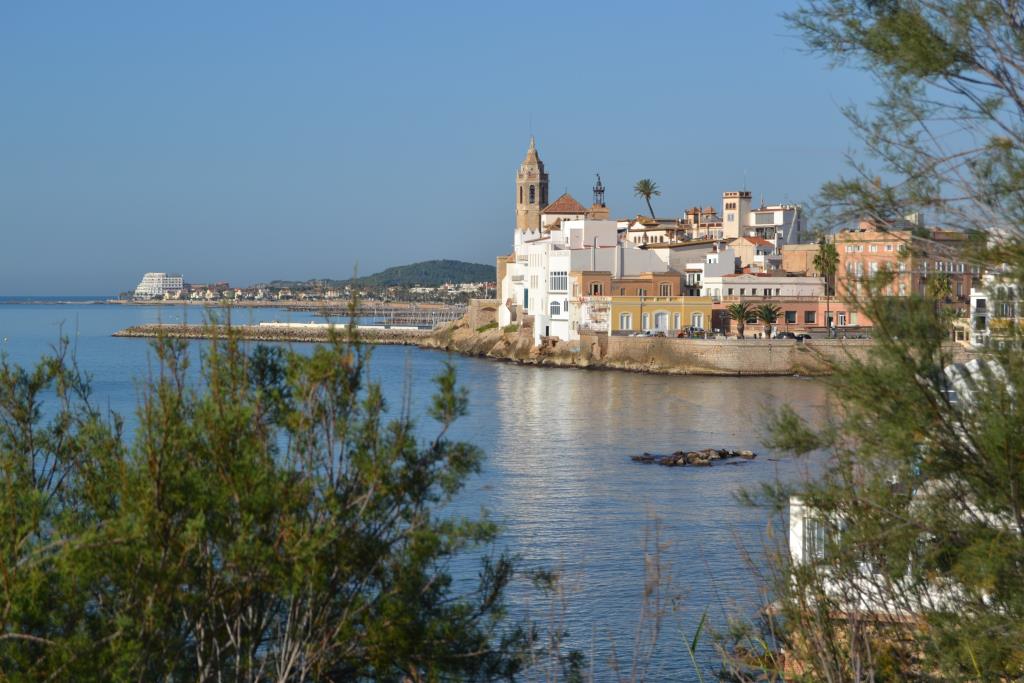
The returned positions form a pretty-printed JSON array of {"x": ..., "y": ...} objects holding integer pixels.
[{"x": 564, "y": 204}]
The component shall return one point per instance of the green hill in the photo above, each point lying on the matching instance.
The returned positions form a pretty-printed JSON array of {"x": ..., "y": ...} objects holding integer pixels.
[
  {"x": 429, "y": 274},
  {"x": 424, "y": 273}
]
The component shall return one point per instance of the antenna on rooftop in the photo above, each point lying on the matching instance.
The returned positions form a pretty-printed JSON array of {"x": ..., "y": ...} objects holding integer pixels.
[{"x": 744, "y": 180}]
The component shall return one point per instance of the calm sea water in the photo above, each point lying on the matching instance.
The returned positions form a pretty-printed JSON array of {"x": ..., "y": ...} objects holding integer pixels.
[{"x": 558, "y": 477}]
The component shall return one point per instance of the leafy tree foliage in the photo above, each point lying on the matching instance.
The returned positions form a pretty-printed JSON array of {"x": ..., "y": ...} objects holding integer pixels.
[
  {"x": 918, "y": 573},
  {"x": 267, "y": 522},
  {"x": 426, "y": 273}
]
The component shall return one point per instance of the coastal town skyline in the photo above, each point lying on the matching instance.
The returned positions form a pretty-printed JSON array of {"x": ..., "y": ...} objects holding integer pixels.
[{"x": 207, "y": 162}]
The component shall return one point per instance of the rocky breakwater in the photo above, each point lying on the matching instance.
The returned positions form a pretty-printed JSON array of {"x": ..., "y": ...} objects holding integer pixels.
[
  {"x": 702, "y": 458},
  {"x": 268, "y": 332}
]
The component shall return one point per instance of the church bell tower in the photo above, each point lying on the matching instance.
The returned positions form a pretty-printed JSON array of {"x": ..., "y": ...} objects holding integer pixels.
[{"x": 531, "y": 190}]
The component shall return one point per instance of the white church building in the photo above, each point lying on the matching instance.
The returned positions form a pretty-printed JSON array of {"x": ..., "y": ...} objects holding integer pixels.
[{"x": 553, "y": 241}]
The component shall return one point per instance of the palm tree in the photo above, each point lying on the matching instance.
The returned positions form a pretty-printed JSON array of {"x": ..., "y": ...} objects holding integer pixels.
[
  {"x": 739, "y": 312},
  {"x": 646, "y": 188},
  {"x": 767, "y": 314},
  {"x": 826, "y": 262}
]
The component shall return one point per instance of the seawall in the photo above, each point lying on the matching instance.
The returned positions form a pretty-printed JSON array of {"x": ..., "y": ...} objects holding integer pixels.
[
  {"x": 660, "y": 355},
  {"x": 278, "y": 332}
]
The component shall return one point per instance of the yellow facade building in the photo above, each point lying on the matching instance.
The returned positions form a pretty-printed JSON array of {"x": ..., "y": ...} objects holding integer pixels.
[{"x": 667, "y": 314}]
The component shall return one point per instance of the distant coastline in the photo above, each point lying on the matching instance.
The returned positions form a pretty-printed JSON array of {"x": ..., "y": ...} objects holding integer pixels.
[
  {"x": 56, "y": 300},
  {"x": 339, "y": 305}
]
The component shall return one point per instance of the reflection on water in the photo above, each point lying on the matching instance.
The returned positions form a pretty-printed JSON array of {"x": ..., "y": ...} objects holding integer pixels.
[
  {"x": 558, "y": 476},
  {"x": 560, "y": 479}
]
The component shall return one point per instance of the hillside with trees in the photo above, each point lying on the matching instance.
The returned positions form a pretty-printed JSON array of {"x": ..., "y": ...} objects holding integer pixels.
[{"x": 424, "y": 273}]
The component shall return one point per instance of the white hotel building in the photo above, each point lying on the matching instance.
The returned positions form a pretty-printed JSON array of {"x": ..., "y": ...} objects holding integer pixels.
[{"x": 155, "y": 285}]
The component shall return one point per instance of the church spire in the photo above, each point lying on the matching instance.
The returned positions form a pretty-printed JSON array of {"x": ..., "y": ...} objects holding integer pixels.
[
  {"x": 531, "y": 189},
  {"x": 531, "y": 154}
]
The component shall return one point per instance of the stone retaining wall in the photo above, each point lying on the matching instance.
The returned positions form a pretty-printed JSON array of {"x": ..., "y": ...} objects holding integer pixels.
[
  {"x": 276, "y": 333},
  {"x": 639, "y": 354},
  {"x": 722, "y": 356},
  {"x": 481, "y": 312}
]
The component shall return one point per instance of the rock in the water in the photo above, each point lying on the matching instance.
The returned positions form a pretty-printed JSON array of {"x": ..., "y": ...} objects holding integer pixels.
[{"x": 702, "y": 458}]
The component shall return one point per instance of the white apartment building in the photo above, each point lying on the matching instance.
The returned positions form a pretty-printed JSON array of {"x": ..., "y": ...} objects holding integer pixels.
[
  {"x": 155, "y": 285},
  {"x": 762, "y": 285},
  {"x": 720, "y": 261},
  {"x": 996, "y": 308},
  {"x": 537, "y": 283},
  {"x": 777, "y": 223}
]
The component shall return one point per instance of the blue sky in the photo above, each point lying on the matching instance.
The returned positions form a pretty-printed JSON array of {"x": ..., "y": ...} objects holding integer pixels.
[{"x": 249, "y": 141}]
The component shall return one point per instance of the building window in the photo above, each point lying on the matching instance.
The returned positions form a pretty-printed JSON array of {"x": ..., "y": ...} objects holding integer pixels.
[
  {"x": 559, "y": 281},
  {"x": 764, "y": 218},
  {"x": 641, "y": 291},
  {"x": 873, "y": 248},
  {"x": 556, "y": 309},
  {"x": 676, "y": 319},
  {"x": 743, "y": 290},
  {"x": 575, "y": 289},
  {"x": 533, "y": 194},
  {"x": 697, "y": 320},
  {"x": 520, "y": 194},
  {"x": 809, "y": 317},
  {"x": 790, "y": 317},
  {"x": 814, "y": 539},
  {"x": 645, "y": 321},
  {"x": 625, "y": 321},
  {"x": 665, "y": 289},
  {"x": 661, "y": 321},
  {"x": 596, "y": 289},
  {"x": 888, "y": 247},
  {"x": 853, "y": 317},
  {"x": 622, "y": 291},
  {"x": 730, "y": 292},
  {"x": 842, "y": 319}
]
